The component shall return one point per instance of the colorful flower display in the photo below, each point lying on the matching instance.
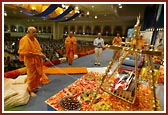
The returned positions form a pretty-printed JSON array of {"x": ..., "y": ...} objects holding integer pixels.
[{"x": 106, "y": 102}]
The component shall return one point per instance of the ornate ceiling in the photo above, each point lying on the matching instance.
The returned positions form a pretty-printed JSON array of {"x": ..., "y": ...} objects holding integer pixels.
[{"x": 78, "y": 12}]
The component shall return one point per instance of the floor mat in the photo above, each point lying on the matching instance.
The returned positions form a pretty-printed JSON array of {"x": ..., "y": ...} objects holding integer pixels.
[{"x": 67, "y": 70}]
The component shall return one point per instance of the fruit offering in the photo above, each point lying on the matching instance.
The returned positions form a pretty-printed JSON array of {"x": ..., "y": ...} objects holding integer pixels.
[
  {"x": 102, "y": 106},
  {"x": 88, "y": 95},
  {"x": 90, "y": 76}
]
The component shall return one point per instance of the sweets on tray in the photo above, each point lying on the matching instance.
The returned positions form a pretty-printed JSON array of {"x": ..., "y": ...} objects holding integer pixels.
[
  {"x": 69, "y": 103},
  {"x": 85, "y": 89},
  {"x": 102, "y": 106}
]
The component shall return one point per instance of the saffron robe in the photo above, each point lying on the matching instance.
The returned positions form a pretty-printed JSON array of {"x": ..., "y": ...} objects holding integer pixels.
[
  {"x": 34, "y": 64},
  {"x": 70, "y": 45},
  {"x": 117, "y": 41}
]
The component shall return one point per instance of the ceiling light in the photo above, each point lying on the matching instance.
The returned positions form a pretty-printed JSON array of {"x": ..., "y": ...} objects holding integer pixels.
[
  {"x": 76, "y": 8},
  {"x": 95, "y": 17},
  {"x": 77, "y": 11},
  {"x": 63, "y": 5},
  {"x": 87, "y": 13},
  {"x": 119, "y": 5},
  {"x": 5, "y": 14}
]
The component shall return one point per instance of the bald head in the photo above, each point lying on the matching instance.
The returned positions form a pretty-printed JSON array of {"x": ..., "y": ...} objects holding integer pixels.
[
  {"x": 31, "y": 28},
  {"x": 31, "y": 31}
]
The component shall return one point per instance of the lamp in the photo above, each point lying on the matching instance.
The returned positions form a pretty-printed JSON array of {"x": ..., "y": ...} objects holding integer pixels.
[{"x": 35, "y": 7}]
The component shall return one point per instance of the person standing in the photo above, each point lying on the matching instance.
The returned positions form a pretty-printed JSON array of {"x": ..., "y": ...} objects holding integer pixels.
[
  {"x": 30, "y": 53},
  {"x": 99, "y": 44},
  {"x": 118, "y": 42},
  {"x": 70, "y": 47}
]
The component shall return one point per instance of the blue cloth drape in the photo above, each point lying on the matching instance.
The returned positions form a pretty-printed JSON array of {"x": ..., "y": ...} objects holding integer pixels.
[
  {"x": 159, "y": 22},
  {"x": 70, "y": 18},
  {"x": 149, "y": 17},
  {"x": 49, "y": 10},
  {"x": 70, "y": 8},
  {"x": 153, "y": 18}
]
